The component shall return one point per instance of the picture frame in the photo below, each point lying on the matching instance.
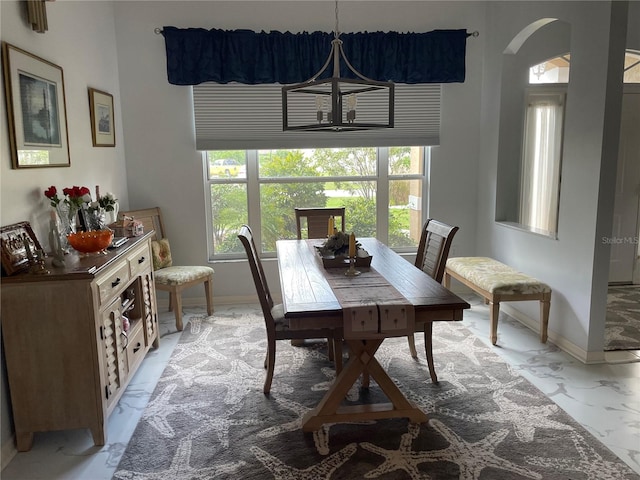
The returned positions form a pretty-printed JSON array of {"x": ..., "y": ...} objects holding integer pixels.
[
  {"x": 102, "y": 122},
  {"x": 14, "y": 253},
  {"x": 36, "y": 110}
]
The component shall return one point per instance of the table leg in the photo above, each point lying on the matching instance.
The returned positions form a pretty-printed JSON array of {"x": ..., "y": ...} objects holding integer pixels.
[{"x": 362, "y": 359}]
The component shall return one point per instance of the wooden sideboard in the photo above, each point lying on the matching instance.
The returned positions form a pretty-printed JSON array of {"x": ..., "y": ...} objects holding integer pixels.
[{"x": 68, "y": 356}]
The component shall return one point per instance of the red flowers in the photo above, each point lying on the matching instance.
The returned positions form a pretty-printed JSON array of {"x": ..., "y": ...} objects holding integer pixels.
[
  {"x": 76, "y": 196},
  {"x": 75, "y": 192},
  {"x": 52, "y": 194}
]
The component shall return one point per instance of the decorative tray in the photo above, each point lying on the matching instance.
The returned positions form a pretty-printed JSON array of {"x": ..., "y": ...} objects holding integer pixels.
[{"x": 363, "y": 259}]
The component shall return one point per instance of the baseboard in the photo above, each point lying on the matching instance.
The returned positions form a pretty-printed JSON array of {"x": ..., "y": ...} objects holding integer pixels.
[
  {"x": 8, "y": 451},
  {"x": 534, "y": 325},
  {"x": 163, "y": 302},
  {"x": 561, "y": 342}
]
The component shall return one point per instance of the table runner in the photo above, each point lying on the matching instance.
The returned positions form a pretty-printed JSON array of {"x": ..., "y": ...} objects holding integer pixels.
[{"x": 372, "y": 307}]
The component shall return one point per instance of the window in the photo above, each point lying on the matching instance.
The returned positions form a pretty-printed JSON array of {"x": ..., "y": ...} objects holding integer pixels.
[
  {"x": 541, "y": 158},
  {"x": 556, "y": 70},
  {"x": 381, "y": 188},
  {"x": 539, "y": 170}
]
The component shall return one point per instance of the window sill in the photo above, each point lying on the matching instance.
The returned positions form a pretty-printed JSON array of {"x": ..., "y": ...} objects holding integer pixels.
[{"x": 528, "y": 229}]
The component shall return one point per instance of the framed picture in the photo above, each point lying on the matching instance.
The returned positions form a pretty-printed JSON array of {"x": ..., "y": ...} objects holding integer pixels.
[
  {"x": 13, "y": 241},
  {"x": 102, "y": 127},
  {"x": 36, "y": 110}
]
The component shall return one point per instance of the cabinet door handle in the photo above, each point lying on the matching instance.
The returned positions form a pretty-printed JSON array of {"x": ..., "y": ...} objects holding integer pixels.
[
  {"x": 116, "y": 283},
  {"x": 141, "y": 260}
]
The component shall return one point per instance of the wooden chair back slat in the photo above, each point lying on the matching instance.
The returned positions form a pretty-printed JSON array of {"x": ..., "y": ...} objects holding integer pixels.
[
  {"x": 433, "y": 249},
  {"x": 317, "y": 220}
]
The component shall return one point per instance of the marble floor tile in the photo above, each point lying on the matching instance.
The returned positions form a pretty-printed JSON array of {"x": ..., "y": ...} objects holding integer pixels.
[{"x": 604, "y": 398}]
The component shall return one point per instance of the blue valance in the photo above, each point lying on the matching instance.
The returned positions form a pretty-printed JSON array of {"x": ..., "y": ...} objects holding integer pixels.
[{"x": 196, "y": 55}]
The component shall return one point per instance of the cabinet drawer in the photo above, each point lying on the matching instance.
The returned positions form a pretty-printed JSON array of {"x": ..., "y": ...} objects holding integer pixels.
[
  {"x": 113, "y": 283},
  {"x": 135, "y": 346},
  {"x": 139, "y": 260}
]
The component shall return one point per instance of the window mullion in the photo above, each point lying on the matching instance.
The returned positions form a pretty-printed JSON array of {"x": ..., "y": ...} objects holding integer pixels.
[
  {"x": 253, "y": 196},
  {"x": 323, "y": 179},
  {"x": 208, "y": 205},
  {"x": 382, "y": 196}
]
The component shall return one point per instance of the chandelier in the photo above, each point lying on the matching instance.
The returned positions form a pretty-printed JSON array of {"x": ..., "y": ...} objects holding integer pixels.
[
  {"x": 539, "y": 70},
  {"x": 335, "y": 103}
]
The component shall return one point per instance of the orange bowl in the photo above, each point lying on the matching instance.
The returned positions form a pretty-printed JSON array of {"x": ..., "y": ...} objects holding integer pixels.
[{"x": 90, "y": 242}]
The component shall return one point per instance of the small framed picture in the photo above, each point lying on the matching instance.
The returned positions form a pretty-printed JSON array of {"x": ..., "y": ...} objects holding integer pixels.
[
  {"x": 34, "y": 90},
  {"x": 102, "y": 127},
  {"x": 17, "y": 242}
]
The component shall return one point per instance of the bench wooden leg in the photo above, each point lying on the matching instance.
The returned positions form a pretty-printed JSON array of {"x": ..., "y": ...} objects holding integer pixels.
[
  {"x": 208, "y": 291},
  {"x": 545, "y": 305},
  {"x": 494, "y": 312}
]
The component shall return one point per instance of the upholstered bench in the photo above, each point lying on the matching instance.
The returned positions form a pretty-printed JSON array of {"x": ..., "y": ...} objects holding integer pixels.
[{"x": 497, "y": 282}]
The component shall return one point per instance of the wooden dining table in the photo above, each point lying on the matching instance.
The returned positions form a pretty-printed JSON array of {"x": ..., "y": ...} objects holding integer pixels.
[{"x": 390, "y": 298}]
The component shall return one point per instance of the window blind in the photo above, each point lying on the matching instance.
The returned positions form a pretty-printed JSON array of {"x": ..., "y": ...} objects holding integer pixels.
[{"x": 239, "y": 116}]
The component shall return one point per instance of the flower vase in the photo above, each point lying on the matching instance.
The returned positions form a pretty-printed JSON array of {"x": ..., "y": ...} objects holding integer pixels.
[
  {"x": 67, "y": 217},
  {"x": 94, "y": 219},
  {"x": 112, "y": 216},
  {"x": 56, "y": 241}
]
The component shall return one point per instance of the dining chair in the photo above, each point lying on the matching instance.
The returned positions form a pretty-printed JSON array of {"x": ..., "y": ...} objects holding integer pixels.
[
  {"x": 433, "y": 251},
  {"x": 166, "y": 276},
  {"x": 276, "y": 324},
  {"x": 317, "y": 220}
]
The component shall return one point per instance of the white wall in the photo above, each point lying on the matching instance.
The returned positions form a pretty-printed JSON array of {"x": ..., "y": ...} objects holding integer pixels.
[
  {"x": 164, "y": 168},
  {"x": 575, "y": 265},
  {"x": 81, "y": 40}
]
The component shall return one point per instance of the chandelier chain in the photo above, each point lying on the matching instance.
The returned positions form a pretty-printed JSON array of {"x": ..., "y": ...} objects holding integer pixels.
[{"x": 336, "y": 33}]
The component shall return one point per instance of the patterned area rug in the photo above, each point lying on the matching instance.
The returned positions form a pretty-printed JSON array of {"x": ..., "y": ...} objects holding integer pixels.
[
  {"x": 208, "y": 417},
  {"x": 622, "y": 329}
]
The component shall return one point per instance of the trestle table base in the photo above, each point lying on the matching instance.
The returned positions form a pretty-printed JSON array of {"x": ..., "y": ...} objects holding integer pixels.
[{"x": 361, "y": 361}]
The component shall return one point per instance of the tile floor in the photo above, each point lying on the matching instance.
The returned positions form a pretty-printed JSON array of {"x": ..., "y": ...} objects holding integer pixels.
[{"x": 604, "y": 398}]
